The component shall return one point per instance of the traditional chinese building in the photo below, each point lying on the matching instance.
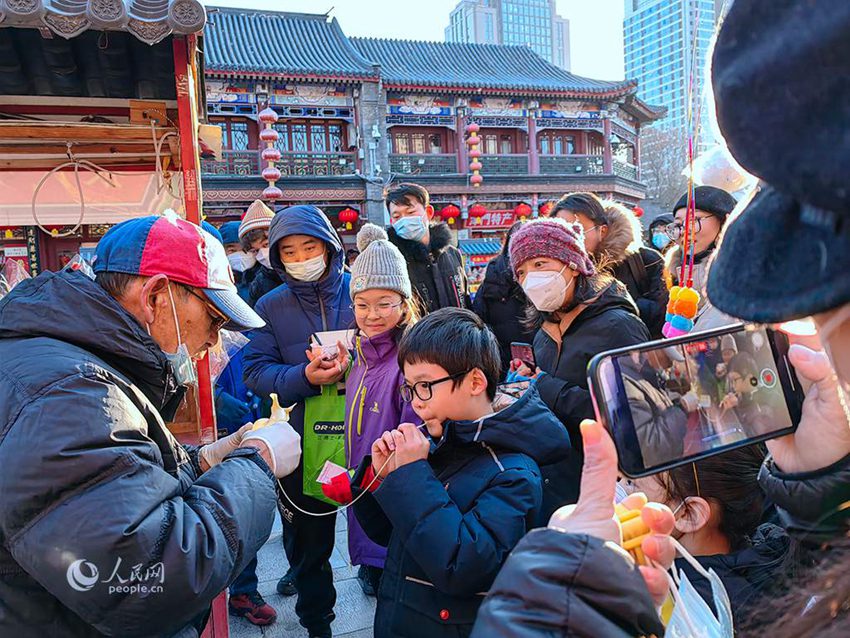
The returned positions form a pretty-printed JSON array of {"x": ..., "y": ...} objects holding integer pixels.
[{"x": 359, "y": 114}]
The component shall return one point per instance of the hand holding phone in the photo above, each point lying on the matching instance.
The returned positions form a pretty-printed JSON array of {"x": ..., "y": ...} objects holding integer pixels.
[
  {"x": 524, "y": 353},
  {"x": 656, "y": 428}
]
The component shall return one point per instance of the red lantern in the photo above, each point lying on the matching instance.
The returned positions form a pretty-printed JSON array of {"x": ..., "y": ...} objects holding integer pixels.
[
  {"x": 477, "y": 211},
  {"x": 638, "y": 211},
  {"x": 348, "y": 216},
  {"x": 450, "y": 213},
  {"x": 522, "y": 211},
  {"x": 545, "y": 208}
]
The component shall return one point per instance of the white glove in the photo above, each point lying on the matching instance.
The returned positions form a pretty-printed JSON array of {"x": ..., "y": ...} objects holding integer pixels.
[
  {"x": 214, "y": 453},
  {"x": 284, "y": 445}
]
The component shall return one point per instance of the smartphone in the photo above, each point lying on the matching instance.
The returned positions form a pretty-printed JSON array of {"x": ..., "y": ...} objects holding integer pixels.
[
  {"x": 671, "y": 402},
  {"x": 525, "y": 353}
]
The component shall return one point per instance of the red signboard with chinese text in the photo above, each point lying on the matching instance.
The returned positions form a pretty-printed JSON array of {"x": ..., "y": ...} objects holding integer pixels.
[{"x": 492, "y": 219}]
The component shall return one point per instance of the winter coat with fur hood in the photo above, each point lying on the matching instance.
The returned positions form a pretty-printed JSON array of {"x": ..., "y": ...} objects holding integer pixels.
[
  {"x": 436, "y": 271},
  {"x": 640, "y": 269}
]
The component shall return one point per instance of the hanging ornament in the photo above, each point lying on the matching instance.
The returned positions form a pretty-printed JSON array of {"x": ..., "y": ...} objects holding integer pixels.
[
  {"x": 477, "y": 211},
  {"x": 545, "y": 208},
  {"x": 475, "y": 165},
  {"x": 348, "y": 216},
  {"x": 270, "y": 154},
  {"x": 522, "y": 211},
  {"x": 450, "y": 213},
  {"x": 638, "y": 211}
]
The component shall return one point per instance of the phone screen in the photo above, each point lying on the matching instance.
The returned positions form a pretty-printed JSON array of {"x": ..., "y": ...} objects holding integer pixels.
[
  {"x": 524, "y": 352},
  {"x": 671, "y": 404}
]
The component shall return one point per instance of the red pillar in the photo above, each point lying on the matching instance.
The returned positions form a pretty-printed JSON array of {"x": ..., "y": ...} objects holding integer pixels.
[
  {"x": 607, "y": 156},
  {"x": 533, "y": 155}
]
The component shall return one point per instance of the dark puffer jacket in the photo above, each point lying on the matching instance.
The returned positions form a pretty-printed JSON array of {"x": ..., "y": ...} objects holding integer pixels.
[
  {"x": 263, "y": 281},
  {"x": 436, "y": 271},
  {"x": 275, "y": 359},
  {"x": 609, "y": 322},
  {"x": 92, "y": 477},
  {"x": 501, "y": 303},
  {"x": 450, "y": 522},
  {"x": 557, "y": 585},
  {"x": 638, "y": 268}
]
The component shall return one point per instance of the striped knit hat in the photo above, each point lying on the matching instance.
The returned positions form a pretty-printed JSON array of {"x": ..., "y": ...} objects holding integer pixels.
[
  {"x": 553, "y": 238},
  {"x": 258, "y": 215},
  {"x": 379, "y": 265}
]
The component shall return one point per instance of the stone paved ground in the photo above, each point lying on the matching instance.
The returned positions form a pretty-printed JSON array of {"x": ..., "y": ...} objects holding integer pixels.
[{"x": 354, "y": 611}]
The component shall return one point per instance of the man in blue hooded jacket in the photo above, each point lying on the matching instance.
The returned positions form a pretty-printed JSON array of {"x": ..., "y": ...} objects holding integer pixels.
[{"x": 306, "y": 252}]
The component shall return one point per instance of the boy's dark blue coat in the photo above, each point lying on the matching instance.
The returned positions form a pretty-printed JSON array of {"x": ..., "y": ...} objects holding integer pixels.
[{"x": 450, "y": 522}]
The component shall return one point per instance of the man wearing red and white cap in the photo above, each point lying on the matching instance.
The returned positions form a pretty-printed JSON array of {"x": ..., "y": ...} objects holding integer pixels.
[{"x": 107, "y": 524}]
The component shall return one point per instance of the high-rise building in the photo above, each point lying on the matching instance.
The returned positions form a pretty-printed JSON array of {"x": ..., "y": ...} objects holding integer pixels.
[
  {"x": 533, "y": 23},
  {"x": 661, "y": 39}
]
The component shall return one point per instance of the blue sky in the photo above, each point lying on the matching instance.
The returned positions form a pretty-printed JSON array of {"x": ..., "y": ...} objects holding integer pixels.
[{"x": 596, "y": 26}]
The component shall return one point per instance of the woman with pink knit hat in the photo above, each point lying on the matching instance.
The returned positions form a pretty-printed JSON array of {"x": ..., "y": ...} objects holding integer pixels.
[
  {"x": 579, "y": 313},
  {"x": 254, "y": 237}
]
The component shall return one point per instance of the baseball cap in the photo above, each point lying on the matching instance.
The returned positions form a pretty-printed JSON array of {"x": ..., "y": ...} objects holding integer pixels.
[{"x": 185, "y": 253}]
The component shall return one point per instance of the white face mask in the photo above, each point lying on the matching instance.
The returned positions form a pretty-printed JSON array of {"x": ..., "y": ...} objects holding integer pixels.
[
  {"x": 692, "y": 617},
  {"x": 263, "y": 257},
  {"x": 309, "y": 270},
  {"x": 546, "y": 290},
  {"x": 241, "y": 261}
]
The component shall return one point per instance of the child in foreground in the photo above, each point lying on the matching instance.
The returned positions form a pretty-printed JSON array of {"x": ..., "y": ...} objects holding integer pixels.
[
  {"x": 450, "y": 500},
  {"x": 382, "y": 300}
]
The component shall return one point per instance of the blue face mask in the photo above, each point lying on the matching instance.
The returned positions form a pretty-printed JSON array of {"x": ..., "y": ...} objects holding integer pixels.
[
  {"x": 660, "y": 240},
  {"x": 412, "y": 228}
]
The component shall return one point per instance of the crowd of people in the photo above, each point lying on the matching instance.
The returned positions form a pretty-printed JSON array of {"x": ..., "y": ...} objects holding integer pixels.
[{"x": 479, "y": 490}]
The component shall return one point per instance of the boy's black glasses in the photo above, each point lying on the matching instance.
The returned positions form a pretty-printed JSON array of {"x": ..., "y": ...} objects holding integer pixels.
[{"x": 424, "y": 389}]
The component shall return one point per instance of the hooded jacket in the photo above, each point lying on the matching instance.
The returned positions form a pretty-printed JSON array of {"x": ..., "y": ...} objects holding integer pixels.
[
  {"x": 501, "y": 304},
  {"x": 436, "y": 271},
  {"x": 450, "y": 522},
  {"x": 638, "y": 268},
  {"x": 557, "y": 585},
  {"x": 608, "y": 322},
  {"x": 747, "y": 574},
  {"x": 93, "y": 483},
  {"x": 373, "y": 405},
  {"x": 275, "y": 358}
]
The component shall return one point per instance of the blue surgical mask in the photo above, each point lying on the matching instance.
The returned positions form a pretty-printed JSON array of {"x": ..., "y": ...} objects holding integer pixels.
[
  {"x": 412, "y": 228},
  {"x": 181, "y": 361},
  {"x": 661, "y": 240},
  {"x": 692, "y": 617}
]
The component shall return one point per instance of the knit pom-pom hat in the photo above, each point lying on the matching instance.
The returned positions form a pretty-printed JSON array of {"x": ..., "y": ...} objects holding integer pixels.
[
  {"x": 258, "y": 215},
  {"x": 379, "y": 265},
  {"x": 553, "y": 238}
]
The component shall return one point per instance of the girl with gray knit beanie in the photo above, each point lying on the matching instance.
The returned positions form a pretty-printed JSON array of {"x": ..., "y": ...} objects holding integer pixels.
[{"x": 381, "y": 298}]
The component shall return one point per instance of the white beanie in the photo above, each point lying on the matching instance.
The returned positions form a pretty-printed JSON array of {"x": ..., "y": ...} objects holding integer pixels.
[{"x": 379, "y": 265}]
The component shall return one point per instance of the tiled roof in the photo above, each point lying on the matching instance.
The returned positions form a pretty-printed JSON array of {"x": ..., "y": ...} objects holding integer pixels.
[
  {"x": 296, "y": 44},
  {"x": 148, "y": 20},
  {"x": 492, "y": 66}
]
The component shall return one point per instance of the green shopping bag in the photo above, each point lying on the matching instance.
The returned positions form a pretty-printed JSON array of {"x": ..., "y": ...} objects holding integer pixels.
[{"x": 324, "y": 437}]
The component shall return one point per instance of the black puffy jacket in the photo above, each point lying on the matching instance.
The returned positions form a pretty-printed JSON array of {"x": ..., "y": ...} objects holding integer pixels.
[
  {"x": 557, "y": 585},
  {"x": 97, "y": 496},
  {"x": 450, "y": 522},
  {"x": 501, "y": 303},
  {"x": 436, "y": 271},
  {"x": 609, "y": 322},
  {"x": 263, "y": 281}
]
